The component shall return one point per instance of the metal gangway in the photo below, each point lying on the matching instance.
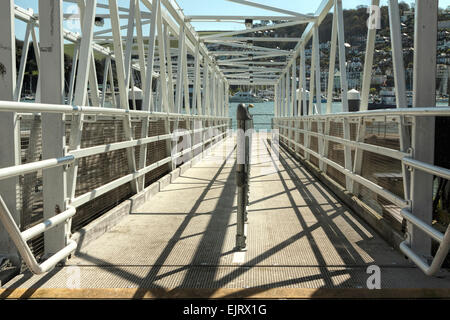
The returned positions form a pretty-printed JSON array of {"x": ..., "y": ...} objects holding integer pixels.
[{"x": 136, "y": 180}]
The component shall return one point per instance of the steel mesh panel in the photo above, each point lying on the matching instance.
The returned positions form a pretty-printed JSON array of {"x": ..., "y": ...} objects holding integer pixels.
[
  {"x": 30, "y": 195},
  {"x": 301, "y": 139},
  {"x": 156, "y": 151},
  {"x": 336, "y": 152},
  {"x": 208, "y": 123},
  {"x": 97, "y": 170},
  {"x": 382, "y": 170},
  {"x": 314, "y": 143}
]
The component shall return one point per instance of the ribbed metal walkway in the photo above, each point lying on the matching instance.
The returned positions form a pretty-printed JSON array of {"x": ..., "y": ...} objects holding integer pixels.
[{"x": 299, "y": 236}]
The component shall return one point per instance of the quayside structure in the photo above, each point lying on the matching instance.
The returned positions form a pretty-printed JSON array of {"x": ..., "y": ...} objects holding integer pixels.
[{"x": 119, "y": 162}]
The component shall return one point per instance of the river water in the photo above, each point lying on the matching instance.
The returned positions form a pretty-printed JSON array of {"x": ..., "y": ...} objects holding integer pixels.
[{"x": 263, "y": 113}]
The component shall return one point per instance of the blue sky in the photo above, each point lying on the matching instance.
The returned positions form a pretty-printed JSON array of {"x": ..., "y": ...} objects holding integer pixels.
[{"x": 213, "y": 7}]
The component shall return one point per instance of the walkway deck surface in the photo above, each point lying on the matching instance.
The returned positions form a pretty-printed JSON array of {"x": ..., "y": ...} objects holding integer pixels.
[{"x": 299, "y": 236}]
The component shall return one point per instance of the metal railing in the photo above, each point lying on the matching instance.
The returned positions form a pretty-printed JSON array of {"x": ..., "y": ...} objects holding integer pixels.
[
  {"x": 217, "y": 126},
  {"x": 289, "y": 131}
]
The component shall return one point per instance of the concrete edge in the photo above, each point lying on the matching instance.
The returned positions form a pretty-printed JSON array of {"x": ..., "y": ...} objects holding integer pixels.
[
  {"x": 108, "y": 220},
  {"x": 370, "y": 216}
]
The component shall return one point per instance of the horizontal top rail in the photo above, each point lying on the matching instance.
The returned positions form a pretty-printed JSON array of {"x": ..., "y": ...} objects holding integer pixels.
[
  {"x": 34, "y": 166},
  {"x": 24, "y": 107},
  {"x": 414, "y": 112},
  {"x": 20, "y": 238}
]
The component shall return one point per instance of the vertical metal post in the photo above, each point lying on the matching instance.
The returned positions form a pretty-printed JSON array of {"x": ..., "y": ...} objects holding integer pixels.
[
  {"x": 23, "y": 62},
  {"x": 187, "y": 106},
  {"x": 244, "y": 136},
  {"x": 140, "y": 41},
  {"x": 53, "y": 126},
  {"x": 286, "y": 94},
  {"x": 293, "y": 99},
  {"x": 303, "y": 81},
  {"x": 37, "y": 54},
  {"x": 332, "y": 63},
  {"x": 148, "y": 92},
  {"x": 129, "y": 44},
  {"x": 344, "y": 90},
  {"x": 425, "y": 38},
  {"x": 317, "y": 69},
  {"x": 105, "y": 80},
  {"x": 167, "y": 46},
  {"x": 312, "y": 73},
  {"x": 196, "y": 96},
  {"x": 400, "y": 86},
  {"x": 368, "y": 60},
  {"x": 164, "y": 90},
  {"x": 93, "y": 84},
  {"x": 123, "y": 86},
  {"x": 367, "y": 78},
  {"x": 9, "y": 126},
  {"x": 397, "y": 54},
  {"x": 180, "y": 74},
  {"x": 73, "y": 73},
  {"x": 342, "y": 59},
  {"x": 293, "y": 88},
  {"x": 76, "y": 126}
]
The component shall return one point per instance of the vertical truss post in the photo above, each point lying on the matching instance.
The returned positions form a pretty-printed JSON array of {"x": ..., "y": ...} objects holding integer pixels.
[
  {"x": 400, "y": 86},
  {"x": 123, "y": 86},
  {"x": 312, "y": 73},
  {"x": 205, "y": 99},
  {"x": 186, "y": 81},
  {"x": 180, "y": 84},
  {"x": 140, "y": 42},
  {"x": 187, "y": 105},
  {"x": 113, "y": 94},
  {"x": 23, "y": 62},
  {"x": 293, "y": 100},
  {"x": 37, "y": 54},
  {"x": 332, "y": 63},
  {"x": 213, "y": 93},
  {"x": 303, "y": 80},
  {"x": 227, "y": 102},
  {"x": 342, "y": 59},
  {"x": 105, "y": 79},
  {"x": 148, "y": 96},
  {"x": 282, "y": 94},
  {"x": 76, "y": 126},
  {"x": 196, "y": 93},
  {"x": 344, "y": 90},
  {"x": 171, "y": 94},
  {"x": 367, "y": 78},
  {"x": 180, "y": 70},
  {"x": 275, "y": 101},
  {"x": 397, "y": 54},
  {"x": 425, "y": 42},
  {"x": 147, "y": 85},
  {"x": 286, "y": 94},
  {"x": 9, "y": 126},
  {"x": 93, "y": 84},
  {"x": 293, "y": 88},
  {"x": 281, "y": 102},
  {"x": 53, "y": 125},
  {"x": 163, "y": 89},
  {"x": 129, "y": 44},
  {"x": 317, "y": 69},
  {"x": 73, "y": 73}
]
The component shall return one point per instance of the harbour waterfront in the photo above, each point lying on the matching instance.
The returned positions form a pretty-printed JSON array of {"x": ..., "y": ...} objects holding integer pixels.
[{"x": 263, "y": 113}]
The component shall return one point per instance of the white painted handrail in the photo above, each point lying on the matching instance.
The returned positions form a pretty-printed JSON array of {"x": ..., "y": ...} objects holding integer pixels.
[
  {"x": 20, "y": 238},
  {"x": 406, "y": 159}
]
